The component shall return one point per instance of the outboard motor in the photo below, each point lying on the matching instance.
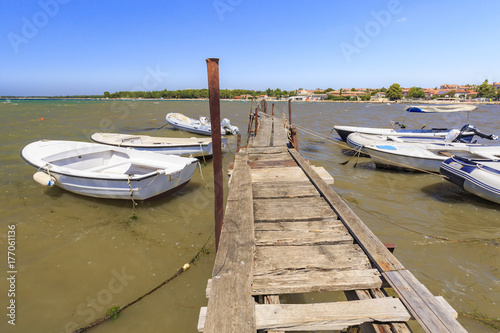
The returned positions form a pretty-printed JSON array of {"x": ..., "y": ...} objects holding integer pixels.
[
  {"x": 471, "y": 128},
  {"x": 226, "y": 125}
]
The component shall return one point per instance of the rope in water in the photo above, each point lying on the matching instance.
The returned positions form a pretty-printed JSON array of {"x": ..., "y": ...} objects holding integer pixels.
[{"x": 184, "y": 268}]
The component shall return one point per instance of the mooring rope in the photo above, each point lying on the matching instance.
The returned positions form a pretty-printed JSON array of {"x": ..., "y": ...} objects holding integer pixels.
[{"x": 181, "y": 270}]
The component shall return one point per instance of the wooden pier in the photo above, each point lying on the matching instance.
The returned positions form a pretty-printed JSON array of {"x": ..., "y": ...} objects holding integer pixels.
[{"x": 286, "y": 231}]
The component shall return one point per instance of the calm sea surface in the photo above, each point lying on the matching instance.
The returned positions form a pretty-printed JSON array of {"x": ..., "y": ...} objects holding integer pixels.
[{"x": 76, "y": 256}]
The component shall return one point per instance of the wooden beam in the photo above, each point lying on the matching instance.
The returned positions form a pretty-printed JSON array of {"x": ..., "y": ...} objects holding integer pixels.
[
  {"x": 280, "y": 137},
  {"x": 264, "y": 135},
  {"x": 328, "y": 316},
  {"x": 234, "y": 311},
  {"x": 310, "y": 280}
]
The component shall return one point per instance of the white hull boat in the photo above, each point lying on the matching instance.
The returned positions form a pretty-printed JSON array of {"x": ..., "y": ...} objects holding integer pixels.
[
  {"x": 103, "y": 171},
  {"x": 422, "y": 156},
  {"x": 344, "y": 131},
  {"x": 201, "y": 126},
  {"x": 195, "y": 147},
  {"x": 479, "y": 177}
]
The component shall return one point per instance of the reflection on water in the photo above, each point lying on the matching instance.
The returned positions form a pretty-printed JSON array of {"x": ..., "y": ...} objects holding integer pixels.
[{"x": 79, "y": 256}]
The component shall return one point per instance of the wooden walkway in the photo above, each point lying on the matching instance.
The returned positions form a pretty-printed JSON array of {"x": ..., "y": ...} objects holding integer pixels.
[{"x": 286, "y": 231}]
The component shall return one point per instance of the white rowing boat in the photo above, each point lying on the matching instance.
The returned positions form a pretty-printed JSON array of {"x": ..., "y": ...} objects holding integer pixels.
[
  {"x": 104, "y": 171},
  {"x": 173, "y": 146}
]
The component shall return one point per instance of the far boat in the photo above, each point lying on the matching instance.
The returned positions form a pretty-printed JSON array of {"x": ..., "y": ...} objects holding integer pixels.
[
  {"x": 477, "y": 176},
  {"x": 195, "y": 147},
  {"x": 344, "y": 131},
  {"x": 104, "y": 171},
  {"x": 201, "y": 126}
]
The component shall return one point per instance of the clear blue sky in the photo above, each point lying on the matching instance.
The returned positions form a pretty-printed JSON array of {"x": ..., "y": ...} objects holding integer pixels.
[{"x": 68, "y": 47}]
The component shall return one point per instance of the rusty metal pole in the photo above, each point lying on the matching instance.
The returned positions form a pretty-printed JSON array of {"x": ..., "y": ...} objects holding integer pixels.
[
  {"x": 290, "y": 111},
  {"x": 256, "y": 120},
  {"x": 273, "y": 109},
  {"x": 214, "y": 96}
]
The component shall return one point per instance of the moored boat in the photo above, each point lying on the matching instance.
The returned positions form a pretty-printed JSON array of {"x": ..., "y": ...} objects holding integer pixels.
[
  {"x": 201, "y": 126},
  {"x": 423, "y": 156},
  {"x": 344, "y": 131},
  {"x": 477, "y": 176},
  {"x": 173, "y": 146},
  {"x": 104, "y": 171}
]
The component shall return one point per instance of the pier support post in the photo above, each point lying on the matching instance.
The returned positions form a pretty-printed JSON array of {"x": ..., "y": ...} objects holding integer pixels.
[{"x": 214, "y": 96}]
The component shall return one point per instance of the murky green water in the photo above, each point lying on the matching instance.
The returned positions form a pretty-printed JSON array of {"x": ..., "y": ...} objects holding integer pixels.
[{"x": 78, "y": 256}]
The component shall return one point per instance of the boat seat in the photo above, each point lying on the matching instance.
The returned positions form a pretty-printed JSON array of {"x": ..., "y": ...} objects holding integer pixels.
[{"x": 114, "y": 168}]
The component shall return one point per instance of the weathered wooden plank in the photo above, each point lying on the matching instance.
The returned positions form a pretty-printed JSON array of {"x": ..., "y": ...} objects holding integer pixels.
[
  {"x": 317, "y": 226},
  {"x": 264, "y": 134},
  {"x": 280, "y": 137},
  {"x": 373, "y": 247},
  {"x": 233, "y": 263},
  {"x": 428, "y": 311},
  {"x": 271, "y": 157},
  {"x": 328, "y": 316},
  {"x": 284, "y": 190},
  {"x": 287, "y": 174},
  {"x": 291, "y": 209},
  {"x": 354, "y": 295},
  {"x": 328, "y": 232},
  {"x": 272, "y": 164},
  {"x": 286, "y": 259},
  {"x": 307, "y": 280},
  {"x": 266, "y": 150}
]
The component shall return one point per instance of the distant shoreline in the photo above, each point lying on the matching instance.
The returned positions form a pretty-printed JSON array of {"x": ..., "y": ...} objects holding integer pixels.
[{"x": 239, "y": 100}]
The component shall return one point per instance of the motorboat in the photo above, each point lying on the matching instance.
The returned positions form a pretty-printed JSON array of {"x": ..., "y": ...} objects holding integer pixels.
[
  {"x": 358, "y": 141},
  {"x": 401, "y": 130},
  {"x": 195, "y": 147},
  {"x": 104, "y": 171},
  {"x": 424, "y": 156},
  {"x": 477, "y": 176},
  {"x": 199, "y": 126}
]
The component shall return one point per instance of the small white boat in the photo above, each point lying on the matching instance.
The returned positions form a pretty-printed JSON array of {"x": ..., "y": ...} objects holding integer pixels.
[
  {"x": 107, "y": 172},
  {"x": 477, "y": 176},
  {"x": 344, "y": 131},
  {"x": 172, "y": 146},
  {"x": 201, "y": 126}
]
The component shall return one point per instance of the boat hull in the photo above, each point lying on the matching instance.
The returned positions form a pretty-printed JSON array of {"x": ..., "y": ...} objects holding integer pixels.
[
  {"x": 103, "y": 171},
  {"x": 195, "y": 147},
  {"x": 481, "y": 178},
  {"x": 193, "y": 125}
]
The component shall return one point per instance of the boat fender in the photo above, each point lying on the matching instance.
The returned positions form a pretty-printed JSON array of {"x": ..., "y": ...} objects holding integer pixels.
[{"x": 44, "y": 179}]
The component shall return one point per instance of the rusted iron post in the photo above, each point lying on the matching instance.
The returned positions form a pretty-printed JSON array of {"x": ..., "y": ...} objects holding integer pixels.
[
  {"x": 290, "y": 111},
  {"x": 238, "y": 143},
  {"x": 256, "y": 120},
  {"x": 273, "y": 109},
  {"x": 294, "y": 138},
  {"x": 214, "y": 96}
]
